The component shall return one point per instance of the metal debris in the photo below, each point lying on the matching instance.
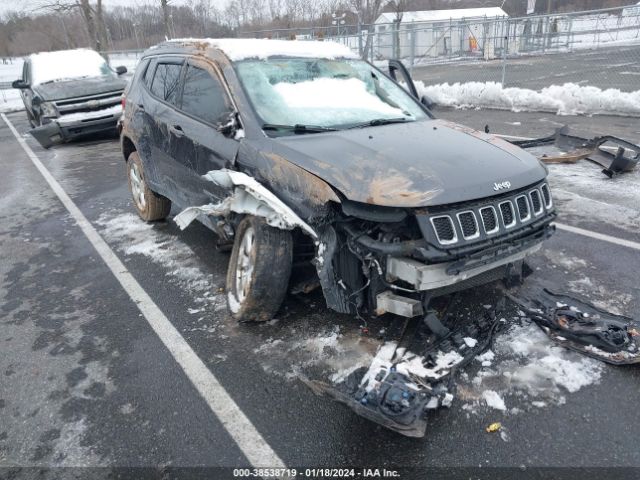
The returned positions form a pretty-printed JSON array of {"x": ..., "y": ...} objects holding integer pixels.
[
  {"x": 585, "y": 328},
  {"x": 613, "y": 154}
]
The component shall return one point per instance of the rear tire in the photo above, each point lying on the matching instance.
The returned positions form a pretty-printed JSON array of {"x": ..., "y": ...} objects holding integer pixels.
[
  {"x": 149, "y": 205},
  {"x": 259, "y": 270}
]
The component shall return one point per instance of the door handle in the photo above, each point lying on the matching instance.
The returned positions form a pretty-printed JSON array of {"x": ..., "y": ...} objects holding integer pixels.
[
  {"x": 140, "y": 107},
  {"x": 176, "y": 130}
]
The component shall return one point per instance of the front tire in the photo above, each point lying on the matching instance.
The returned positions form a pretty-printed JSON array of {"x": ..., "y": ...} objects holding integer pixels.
[
  {"x": 150, "y": 205},
  {"x": 259, "y": 270}
]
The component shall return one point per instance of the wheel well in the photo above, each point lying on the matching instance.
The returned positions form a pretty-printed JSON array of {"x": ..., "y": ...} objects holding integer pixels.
[{"x": 127, "y": 147}]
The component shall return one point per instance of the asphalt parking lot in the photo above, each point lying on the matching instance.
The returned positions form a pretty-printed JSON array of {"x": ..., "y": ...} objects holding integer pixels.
[{"x": 87, "y": 381}]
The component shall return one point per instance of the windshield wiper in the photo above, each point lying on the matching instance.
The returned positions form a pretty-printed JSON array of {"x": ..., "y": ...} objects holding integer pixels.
[
  {"x": 298, "y": 128},
  {"x": 380, "y": 121}
]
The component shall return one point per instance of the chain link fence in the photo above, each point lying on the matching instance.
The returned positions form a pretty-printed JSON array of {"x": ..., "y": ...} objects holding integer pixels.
[{"x": 599, "y": 48}]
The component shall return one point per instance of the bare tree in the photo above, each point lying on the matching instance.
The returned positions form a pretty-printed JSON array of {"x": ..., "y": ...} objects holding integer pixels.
[
  {"x": 398, "y": 8},
  {"x": 366, "y": 11},
  {"x": 87, "y": 12},
  {"x": 164, "y": 5}
]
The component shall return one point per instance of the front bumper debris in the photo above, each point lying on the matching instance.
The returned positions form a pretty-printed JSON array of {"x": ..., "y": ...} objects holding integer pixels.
[
  {"x": 60, "y": 131},
  {"x": 414, "y": 371}
]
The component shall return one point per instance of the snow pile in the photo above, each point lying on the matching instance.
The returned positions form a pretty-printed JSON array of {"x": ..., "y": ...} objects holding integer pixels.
[
  {"x": 567, "y": 99},
  {"x": 242, "y": 48},
  {"x": 67, "y": 64}
]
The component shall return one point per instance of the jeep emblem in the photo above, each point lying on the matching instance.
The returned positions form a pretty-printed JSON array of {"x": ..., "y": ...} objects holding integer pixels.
[{"x": 501, "y": 186}]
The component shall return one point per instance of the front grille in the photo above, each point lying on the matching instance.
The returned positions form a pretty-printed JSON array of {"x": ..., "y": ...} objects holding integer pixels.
[
  {"x": 444, "y": 228},
  {"x": 508, "y": 217},
  {"x": 467, "y": 223},
  {"x": 536, "y": 203},
  {"x": 523, "y": 208},
  {"x": 489, "y": 220},
  {"x": 89, "y": 103}
]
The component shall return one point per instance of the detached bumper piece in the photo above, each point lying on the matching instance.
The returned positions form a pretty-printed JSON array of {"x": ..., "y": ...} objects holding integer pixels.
[
  {"x": 55, "y": 133},
  {"x": 414, "y": 370},
  {"x": 583, "y": 327},
  {"x": 613, "y": 154}
]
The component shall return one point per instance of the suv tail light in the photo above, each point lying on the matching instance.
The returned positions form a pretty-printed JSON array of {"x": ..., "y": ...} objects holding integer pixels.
[{"x": 123, "y": 101}]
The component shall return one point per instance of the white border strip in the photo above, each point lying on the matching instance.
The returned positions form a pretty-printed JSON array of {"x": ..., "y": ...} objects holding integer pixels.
[
  {"x": 248, "y": 439},
  {"x": 599, "y": 236}
]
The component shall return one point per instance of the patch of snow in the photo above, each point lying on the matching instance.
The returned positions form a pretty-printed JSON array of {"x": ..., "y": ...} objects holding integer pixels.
[
  {"x": 471, "y": 342},
  {"x": 566, "y": 99},
  {"x": 243, "y": 48},
  {"x": 528, "y": 365},
  {"x": 493, "y": 400},
  {"x": 132, "y": 236}
]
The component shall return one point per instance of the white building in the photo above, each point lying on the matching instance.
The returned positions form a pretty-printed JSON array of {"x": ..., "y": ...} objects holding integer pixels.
[{"x": 461, "y": 31}]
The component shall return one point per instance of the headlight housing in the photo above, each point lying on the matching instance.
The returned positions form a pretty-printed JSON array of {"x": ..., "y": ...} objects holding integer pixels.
[{"x": 48, "y": 109}]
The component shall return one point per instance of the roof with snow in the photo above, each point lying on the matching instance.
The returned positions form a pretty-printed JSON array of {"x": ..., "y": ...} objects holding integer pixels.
[
  {"x": 243, "y": 48},
  {"x": 428, "y": 16}
]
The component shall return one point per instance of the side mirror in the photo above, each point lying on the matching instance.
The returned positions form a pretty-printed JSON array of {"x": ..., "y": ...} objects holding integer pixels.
[
  {"x": 121, "y": 70},
  {"x": 427, "y": 102},
  {"x": 20, "y": 84},
  {"x": 230, "y": 125}
]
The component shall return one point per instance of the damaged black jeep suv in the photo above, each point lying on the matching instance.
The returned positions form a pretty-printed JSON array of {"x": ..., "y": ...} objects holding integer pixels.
[{"x": 299, "y": 150}]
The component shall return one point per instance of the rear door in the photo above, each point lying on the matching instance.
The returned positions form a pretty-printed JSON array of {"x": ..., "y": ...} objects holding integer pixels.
[{"x": 200, "y": 147}]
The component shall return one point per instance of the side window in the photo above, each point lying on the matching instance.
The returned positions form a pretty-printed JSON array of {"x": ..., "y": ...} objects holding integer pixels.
[
  {"x": 166, "y": 82},
  {"x": 204, "y": 97}
]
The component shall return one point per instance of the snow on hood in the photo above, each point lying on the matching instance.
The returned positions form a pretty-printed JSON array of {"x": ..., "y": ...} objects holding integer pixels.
[
  {"x": 67, "y": 64},
  {"x": 242, "y": 48}
]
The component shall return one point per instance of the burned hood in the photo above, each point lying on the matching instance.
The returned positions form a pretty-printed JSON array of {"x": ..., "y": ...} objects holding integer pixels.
[
  {"x": 81, "y": 87},
  {"x": 415, "y": 164}
]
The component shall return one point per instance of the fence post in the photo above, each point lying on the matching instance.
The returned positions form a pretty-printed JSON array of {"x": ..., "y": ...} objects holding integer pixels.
[
  {"x": 504, "y": 62},
  {"x": 412, "y": 47}
]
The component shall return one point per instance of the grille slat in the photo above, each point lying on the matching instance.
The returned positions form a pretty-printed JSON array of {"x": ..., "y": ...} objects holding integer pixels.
[
  {"x": 547, "y": 195},
  {"x": 444, "y": 229},
  {"x": 536, "y": 203},
  {"x": 468, "y": 225},
  {"x": 508, "y": 217},
  {"x": 523, "y": 208},
  {"x": 489, "y": 220}
]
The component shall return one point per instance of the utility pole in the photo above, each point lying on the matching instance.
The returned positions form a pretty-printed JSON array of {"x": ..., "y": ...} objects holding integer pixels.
[{"x": 548, "y": 6}]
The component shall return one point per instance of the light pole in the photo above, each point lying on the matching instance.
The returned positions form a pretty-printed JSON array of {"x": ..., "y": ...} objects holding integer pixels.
[
  {"x": 135, "y": 32},
  {"x": 337, "y": 21}
]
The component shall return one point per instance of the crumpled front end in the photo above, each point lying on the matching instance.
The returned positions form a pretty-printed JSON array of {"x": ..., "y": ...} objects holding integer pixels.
[
  {"x": 71, "y": 118},
  {"x": 386, "y": 260}
]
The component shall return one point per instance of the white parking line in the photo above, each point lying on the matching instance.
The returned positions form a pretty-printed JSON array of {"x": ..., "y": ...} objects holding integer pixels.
[
  {"x": 599, "y": 236},
  {"x": 248, "y": 439}
]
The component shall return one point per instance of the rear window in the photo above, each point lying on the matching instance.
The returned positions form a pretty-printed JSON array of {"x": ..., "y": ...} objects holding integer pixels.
[
  {"x": 166, "y": 82},
  {"x": 204, "y": 96}
]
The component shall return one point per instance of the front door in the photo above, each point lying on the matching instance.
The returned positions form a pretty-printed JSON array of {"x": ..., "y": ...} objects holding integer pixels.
[{"x": 199, "y": 145}]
